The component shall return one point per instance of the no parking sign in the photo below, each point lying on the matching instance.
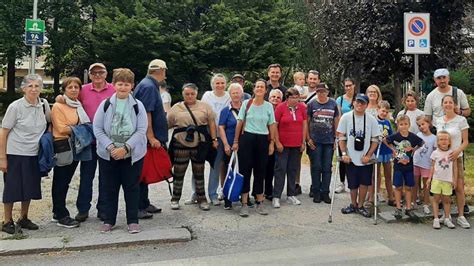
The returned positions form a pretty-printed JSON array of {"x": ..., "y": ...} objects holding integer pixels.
[{"x": 416, "y": 27}]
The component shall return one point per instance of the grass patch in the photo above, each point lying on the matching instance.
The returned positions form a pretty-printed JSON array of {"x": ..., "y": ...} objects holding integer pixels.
[
  {"x": 16, "y": 237},
  {"x": 469, "y": 173}
]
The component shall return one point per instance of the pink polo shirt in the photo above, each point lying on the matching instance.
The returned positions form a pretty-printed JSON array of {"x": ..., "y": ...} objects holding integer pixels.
[{"x": 91, "y": 98}]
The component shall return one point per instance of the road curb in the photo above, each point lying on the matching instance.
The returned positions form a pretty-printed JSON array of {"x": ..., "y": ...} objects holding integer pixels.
[{"x": 117, "y": 238}]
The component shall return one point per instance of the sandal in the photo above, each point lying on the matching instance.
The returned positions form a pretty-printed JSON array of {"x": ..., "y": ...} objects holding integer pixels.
[
  {"x": 364, "y": 212},
  {"x": 349, "y": 209}
]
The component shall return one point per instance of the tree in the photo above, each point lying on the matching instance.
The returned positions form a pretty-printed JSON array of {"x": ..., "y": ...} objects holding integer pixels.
[
  {"x": 12, "y": 28},
  {"x": 365, "y": 39}
]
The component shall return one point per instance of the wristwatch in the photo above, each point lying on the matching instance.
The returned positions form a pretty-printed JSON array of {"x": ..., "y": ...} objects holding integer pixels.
[{"x": 344, "y": 153}]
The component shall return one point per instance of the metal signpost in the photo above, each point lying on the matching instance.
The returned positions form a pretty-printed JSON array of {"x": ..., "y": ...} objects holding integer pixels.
[
  {"x": 34, "y": 34},
  {"x": 416, "y": 28}
]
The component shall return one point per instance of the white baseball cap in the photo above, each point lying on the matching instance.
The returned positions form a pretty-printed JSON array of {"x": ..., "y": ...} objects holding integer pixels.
[
  {"x": 441, "y": 72},
  {"x": 157, "y": 64}
]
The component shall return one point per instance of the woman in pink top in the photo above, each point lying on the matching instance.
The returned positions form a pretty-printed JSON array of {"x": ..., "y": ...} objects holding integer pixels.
[{"x": 291, "y": 122}]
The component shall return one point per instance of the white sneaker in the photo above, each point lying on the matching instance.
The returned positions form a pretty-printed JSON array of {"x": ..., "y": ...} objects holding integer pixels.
[
  {"x": 174, "y": 205},
  {"x": 340, "y": 187},
  {"x": 276, "y": 203},
  {"x": 293, "y": 200},
  {"x": 461, "y": 221},
  {"x": 380, "y": 197},
  {"x": 426, "y": 209},
  {"x": 448, "y": 223},
  {"x": 436, "y": 224},
  {"x": 441, "y": 220},
  {"x": 190, "y": 201},
  {"x": 220, "y": 194}
]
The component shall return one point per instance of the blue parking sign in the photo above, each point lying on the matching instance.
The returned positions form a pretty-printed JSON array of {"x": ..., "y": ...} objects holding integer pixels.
[{"x": 411, "y": 43}]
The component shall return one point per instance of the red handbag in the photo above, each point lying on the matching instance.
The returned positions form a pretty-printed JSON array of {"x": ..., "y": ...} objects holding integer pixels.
[{"x": 156, "y": 167}]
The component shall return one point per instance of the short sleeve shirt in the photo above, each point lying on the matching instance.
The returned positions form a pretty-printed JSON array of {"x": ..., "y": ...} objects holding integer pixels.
[
  {"x": 321, "y": 121},
  {"x": 422, "y": 155},
  {"x": 386, "y": 130},
  {"x": 27, "y": 123},
  {"x": 347, "y": 127},
  {"x": 216, "y": 103},
  {"x": 179, "y": 117},
  {"x": 148, "y": 92},
  {"x": 228, "y": 119},
  {"x": 433, "y": 102},
  {"x": 412, "y": 115},
  {"x": 343, "y": 104},
  {"x": 290, "y": 123},
  {"x": 454, "y": 127},
  {"x": 443, "y": 166},
  {"x": 401, "y": 144},
  {"x": 91, "y": 98},
  {"x": 165, "y": 97},
  {"x": 258, "y": 118}
]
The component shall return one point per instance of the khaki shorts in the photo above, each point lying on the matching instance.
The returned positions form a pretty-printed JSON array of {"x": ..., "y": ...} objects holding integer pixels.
[{"x": 441, "y": 187}]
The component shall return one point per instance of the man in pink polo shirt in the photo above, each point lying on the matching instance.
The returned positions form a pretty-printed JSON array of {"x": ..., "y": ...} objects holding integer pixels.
[{"x": 92, "y": 94}]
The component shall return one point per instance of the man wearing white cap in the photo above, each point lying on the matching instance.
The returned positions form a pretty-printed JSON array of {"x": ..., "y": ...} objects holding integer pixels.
[
  {"x": 148, "y": 92},
  {"x": 433, "y": 107}
]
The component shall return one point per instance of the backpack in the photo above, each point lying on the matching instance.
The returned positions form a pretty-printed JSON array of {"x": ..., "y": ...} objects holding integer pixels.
[
  {"x": 107, "y": 104},
  {"x": 455, "y": 95}
]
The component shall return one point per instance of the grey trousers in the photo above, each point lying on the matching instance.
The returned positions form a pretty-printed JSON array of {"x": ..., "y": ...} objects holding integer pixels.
[{"x": 286, "y": 165}]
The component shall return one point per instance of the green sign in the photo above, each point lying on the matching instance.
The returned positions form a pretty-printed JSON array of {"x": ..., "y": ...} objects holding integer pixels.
[{"x": 34, "y": 25}]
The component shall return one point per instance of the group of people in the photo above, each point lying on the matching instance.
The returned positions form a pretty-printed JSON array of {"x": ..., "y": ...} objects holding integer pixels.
[{"x": 113, "y": 124}]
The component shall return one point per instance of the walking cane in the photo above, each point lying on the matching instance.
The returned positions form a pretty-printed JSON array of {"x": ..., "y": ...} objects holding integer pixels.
[
  {"x": 336, "y": 173},
  {"x": 375, "y": 185}
]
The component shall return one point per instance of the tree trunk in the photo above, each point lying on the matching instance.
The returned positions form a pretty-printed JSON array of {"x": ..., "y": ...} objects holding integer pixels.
[
  {"x": 56, "y": 61},
  {"x": 11, "y": 74},
  {"x": 397, "y": 93}
]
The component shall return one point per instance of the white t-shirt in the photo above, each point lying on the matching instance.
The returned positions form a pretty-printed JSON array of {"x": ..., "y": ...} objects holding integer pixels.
[
  {"x": 371, "y": 130},
  {"x": 454, "y": 127},
  {"x": 372, "y": 111},
  {"x": 216, "y": 103},
  {"x": 165, "y": 97},
  {"x": 301, "y": 89},
  {"x": 433, "y": 102},
  {"x": 412, "y": 115},
  {"x": 443, "y": 167},
  {"x": 422, "y": 156}
]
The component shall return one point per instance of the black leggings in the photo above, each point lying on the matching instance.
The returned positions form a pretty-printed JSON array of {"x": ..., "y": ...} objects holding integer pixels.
[
  {"x": 253, "y": 156},
  {"x": 342, "y": 169}
]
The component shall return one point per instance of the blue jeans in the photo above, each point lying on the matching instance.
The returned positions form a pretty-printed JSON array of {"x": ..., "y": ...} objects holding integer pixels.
[
  {"x": 321, "y": 163},
  {"x": 87, "y": 175},
  {"x": 214, "y": 174}
]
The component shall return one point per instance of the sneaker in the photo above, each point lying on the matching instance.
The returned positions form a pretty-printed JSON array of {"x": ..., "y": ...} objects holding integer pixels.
[
  {"x": 311, "y": 194},
  {"x": 466, "y": 209},
  {"x": 449, "y": 223},
  {"x": 67, "y": 222},
  {"x": 54, "y": 219},
  {"x": 82, "y": 217},
  {"x": 364, "y": 212},
  {"x": 461, "y": 221},
  {"x": 398, "y": 214},
  {"x": 391, "y": 203},
  {"x": 298, "y": 190},
  {"x": 426, "y": 209},
  {"x": 227, "y": 204},
  {"x": 250, "y": 203},
  {"x": 418, "y": 202},
  {"x": 216, "y": 202},
  {"x": 220, "y": 194},
  {"x": 293, "y": 200},
  {"x": 106, "y": 228},
  {"x": 133, "y": 228},
  {"x": 276, "y": 203},
  {"x": 441, "y": 220},
  {"x": 11, "y": 228},
  {"x": 27, "y": 224},
  {"x": 340, "y": 187},
  {"x": 349, "y": 209},
  {"x": 317, "y": 198},
  {"x": 380, "y": 197},
  {"x": 244, "y": 211},
  {"x": 153, "y": 209},
  {"x": 411, "y": 214},
  {"x": 260, "y": 209},
  {"x": 174, "y": 205},
  {"x": 143, "y": 214},
  {"x": 326, "y": 198},
  {"x": 436, "y": 224},
  {"x": 203, "y": 205},
  {"x": 190, "y": 201}
]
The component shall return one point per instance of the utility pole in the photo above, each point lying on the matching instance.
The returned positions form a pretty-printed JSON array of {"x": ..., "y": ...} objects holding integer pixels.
[{"x": 33, "y": 47}]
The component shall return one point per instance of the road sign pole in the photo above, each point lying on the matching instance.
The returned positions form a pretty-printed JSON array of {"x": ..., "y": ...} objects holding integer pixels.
[
  {"x": 417, "y": 86},
  {"x": 33, "y": 47}
]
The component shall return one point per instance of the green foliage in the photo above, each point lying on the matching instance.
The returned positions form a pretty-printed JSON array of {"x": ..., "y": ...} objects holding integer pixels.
[
  {"x": 470, "y": 119},
  {"x": 464, "y": 79}
]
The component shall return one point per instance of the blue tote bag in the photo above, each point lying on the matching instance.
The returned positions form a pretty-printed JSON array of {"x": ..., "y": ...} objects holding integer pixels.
[{"x": 234, "y": 181}]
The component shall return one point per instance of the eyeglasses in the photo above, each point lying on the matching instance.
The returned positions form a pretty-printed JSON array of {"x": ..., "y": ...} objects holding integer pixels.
[{"x": 97, "y": 73}]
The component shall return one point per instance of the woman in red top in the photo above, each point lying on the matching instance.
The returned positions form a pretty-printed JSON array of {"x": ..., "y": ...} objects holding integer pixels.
[{"x": 291, "y": 119}]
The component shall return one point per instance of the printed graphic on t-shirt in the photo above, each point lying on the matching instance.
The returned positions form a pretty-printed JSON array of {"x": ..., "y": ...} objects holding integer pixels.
[
  {"x": 444, "y": 163},
  {"x": 403, "y": 150},
  {"x": 323, "y": 120}
]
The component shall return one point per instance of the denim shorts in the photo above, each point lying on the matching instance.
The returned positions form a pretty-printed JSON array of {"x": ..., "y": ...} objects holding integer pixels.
[
  {"x": 384, "y": 158},
  {"x": 359, "y": 175},
  {"x": 403, "y": 177}
]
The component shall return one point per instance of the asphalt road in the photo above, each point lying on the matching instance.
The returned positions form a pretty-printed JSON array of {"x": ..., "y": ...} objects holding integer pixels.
[{"x": 291, "y": 235}]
